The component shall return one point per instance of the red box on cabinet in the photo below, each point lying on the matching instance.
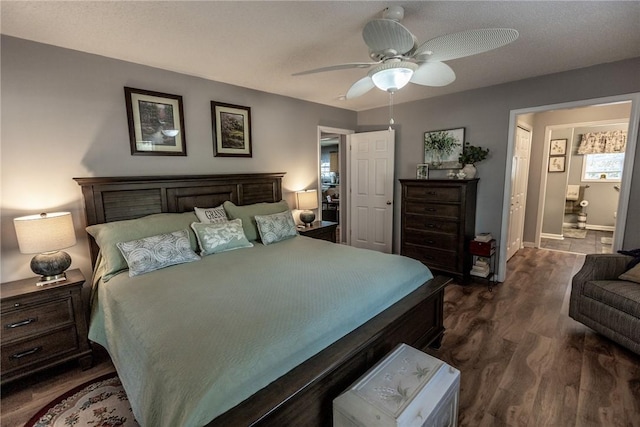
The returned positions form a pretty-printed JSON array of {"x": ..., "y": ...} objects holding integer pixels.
[{"x": 482, "y": 248}]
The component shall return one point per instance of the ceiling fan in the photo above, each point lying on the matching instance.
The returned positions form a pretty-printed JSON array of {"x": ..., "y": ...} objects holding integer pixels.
[{"x": 398, "y": 59}]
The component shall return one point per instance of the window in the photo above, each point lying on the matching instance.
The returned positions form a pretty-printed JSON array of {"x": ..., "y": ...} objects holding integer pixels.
[{"x": 602, "y": 167}]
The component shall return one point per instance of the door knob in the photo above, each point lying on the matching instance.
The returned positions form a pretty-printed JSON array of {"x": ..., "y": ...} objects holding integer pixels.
[{"x": 388, "y": 202}]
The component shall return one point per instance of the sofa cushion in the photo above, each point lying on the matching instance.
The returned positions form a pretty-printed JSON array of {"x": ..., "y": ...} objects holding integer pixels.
[
  {"x": 619, "y": 294},
  {"x": 632, "y": 275}
]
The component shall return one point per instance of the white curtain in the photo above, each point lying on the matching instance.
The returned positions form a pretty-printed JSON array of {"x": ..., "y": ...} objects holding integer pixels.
[{"x": 603, "y": 142}]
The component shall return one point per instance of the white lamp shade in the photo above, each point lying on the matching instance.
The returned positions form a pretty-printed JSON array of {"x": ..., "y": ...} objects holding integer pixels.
[
  {"x": 45, "y": 232},
  {"x": 307, "y": 199}
]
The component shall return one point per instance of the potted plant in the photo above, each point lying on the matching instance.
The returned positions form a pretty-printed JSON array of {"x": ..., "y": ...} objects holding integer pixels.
[{"x": 470, "y": 156}]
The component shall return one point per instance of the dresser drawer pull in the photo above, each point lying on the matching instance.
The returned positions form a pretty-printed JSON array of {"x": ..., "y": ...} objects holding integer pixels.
[
  {"x": 26, "y": 353},
  {"x": 431, "y": 209},
  {"x": 21, "y": 323}
]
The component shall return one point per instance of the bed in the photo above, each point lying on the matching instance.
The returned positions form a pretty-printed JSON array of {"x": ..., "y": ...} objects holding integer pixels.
[{"x": 300, "y": 384}]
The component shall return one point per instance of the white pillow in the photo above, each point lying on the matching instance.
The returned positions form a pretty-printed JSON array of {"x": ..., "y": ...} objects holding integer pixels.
[
  {"x": 220, "y": 237},
  {"x": 155, "y": 252},
  {"x": 276, "y": 227},
  {"x": 211, "y": 215}
]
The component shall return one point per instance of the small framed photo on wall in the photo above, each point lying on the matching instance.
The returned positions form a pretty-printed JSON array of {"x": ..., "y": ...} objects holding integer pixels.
[
  {"x": 156, "y": 123},
  {"x": 422, "y": 171},
  {"x": 231, "y": 130},
  {"x": 558, "y": 147},
  {"x": 556, "y": 164}
]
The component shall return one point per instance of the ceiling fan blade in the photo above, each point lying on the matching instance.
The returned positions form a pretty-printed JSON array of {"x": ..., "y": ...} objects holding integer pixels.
[
  {"x": 360, "y": 87},
  {"x": 433, "y": 74},
  {"x": 465, "y": 43},
  {"x": 383, "y": 35},
  {"x": 337, "y": 67}
]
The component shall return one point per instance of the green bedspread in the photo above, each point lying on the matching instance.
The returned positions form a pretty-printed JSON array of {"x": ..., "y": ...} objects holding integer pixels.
[{"x": 193, "y": 340}]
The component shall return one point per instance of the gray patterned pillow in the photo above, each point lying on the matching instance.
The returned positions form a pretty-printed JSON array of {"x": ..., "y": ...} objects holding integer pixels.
[
  {"x": 211, "y": 215},
  {"x": 220, "y": 237},
  {"x": 276, "y": 227},
  {"x": 155, "y": 252}
]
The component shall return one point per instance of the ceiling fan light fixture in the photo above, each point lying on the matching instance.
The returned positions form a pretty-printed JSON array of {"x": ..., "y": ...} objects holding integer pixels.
[{"x": 393, "y": 76}]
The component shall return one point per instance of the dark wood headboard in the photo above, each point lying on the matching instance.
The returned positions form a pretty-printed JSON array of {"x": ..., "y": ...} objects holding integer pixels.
[{"x": 108, "y": 199}]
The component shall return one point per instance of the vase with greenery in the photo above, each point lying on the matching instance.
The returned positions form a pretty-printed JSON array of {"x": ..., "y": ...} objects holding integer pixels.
[
  {"x": 440, "y": 144},
  {"x": 471, "y": 155}
]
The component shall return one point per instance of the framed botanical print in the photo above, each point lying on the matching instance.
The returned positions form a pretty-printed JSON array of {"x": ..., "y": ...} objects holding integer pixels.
[
  {"x": 156, "y": 123},
  {"x": 231, "y": 130},
  {"x": 556, "y": 164},
  {"x": 443, "y": 147},
  {"x": 558, "y": 147}
]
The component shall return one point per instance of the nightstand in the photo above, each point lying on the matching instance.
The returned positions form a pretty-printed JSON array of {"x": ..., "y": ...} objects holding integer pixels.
[
  {"x": 323, "y": 230},
  {"x": 42, "y": 326}
]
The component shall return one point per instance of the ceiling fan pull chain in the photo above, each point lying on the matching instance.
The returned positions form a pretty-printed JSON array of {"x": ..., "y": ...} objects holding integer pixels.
[{"x": 391, "y": 121}]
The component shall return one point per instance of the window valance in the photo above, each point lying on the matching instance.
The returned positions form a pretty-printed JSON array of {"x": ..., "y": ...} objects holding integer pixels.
[{"x": 614, "y": 141}]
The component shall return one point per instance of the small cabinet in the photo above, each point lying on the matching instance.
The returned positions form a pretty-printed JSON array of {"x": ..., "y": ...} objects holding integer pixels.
[
  {"x": 42, "y": 326},
  {"x": 438, "y": 222},
  {"x": 322, "y": 230}
]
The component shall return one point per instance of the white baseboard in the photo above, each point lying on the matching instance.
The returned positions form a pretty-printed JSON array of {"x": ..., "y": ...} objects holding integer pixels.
[
  {"x": 528, "y": 245},
  {"x": 551, "y": 236},
  {"x": 601, "y": 227}
]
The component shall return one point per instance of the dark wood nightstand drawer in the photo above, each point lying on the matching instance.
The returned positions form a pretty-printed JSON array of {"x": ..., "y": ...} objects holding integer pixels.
[
  {"x": 427, "y": 223},
  {"x": 434, "y": 193},
  {"x": 324, "y": 230},
  {"x": 40, "y": 348},
  {"x": 34, "y": 318}
]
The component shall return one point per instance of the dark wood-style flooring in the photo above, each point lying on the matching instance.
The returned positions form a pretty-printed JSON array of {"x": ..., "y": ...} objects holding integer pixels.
[{"x": 523, "y": 361}]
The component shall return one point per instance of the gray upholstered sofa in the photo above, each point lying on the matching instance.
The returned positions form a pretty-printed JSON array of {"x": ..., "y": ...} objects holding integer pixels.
[{"x": 606, "y": 304}]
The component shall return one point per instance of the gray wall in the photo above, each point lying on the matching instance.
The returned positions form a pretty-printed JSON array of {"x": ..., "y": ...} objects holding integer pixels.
[
  {"x": 540, "y": 122},
  {"x": 63, "y": 116},
  {"x": 485, "y": 115}
]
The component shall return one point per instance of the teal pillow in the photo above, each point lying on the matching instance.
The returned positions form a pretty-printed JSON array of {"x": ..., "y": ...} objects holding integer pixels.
[
  {"x": 220, "y": 236},
  {"x": 247, "y": 214},
  {"x": 276, "y": 227},
  {"x": 155, "y": 252},
  {"x": 109, "y": 234}
]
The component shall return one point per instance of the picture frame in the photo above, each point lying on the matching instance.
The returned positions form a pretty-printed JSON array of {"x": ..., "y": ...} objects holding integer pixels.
[
  {"x": 231, "y": 130},
  {"x": 156, "y": 123},
  {"x": 557, "y": 163},
  {"x": 558, "y": 147},
  {"x": 442, "y": 138},
  {"x": 422, "y": 171}
]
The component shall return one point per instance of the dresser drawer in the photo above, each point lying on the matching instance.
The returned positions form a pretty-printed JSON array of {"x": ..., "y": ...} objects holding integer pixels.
[
  {"x": 433, "y": 209},
  {"x": 428, "y": 223},
  {"x": 434, "y": 193},
  {"x": 434, "y": 240},
  {"x": 434, "y": 258},
  {"x": 34, "y": 318},
  {"x": 38, "y": 348}
]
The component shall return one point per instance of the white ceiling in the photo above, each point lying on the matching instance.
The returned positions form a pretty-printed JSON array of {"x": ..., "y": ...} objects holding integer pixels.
[{"x": 260, "y": 44}]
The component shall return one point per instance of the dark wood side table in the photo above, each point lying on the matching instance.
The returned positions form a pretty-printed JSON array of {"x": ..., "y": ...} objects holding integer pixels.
[
  {"x": 42, "y": 326},
  {"x": 323, "y": 230}
]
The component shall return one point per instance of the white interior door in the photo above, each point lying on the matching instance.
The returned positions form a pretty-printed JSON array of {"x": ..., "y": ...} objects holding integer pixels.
[
  {"x": 519, "y": 175},
  {"x": 371, "y": 189}
]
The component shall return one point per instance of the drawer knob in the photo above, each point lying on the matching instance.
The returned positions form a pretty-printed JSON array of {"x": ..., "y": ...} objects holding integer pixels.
[
  {"x": 26, "y": 353},
  {"x": 24, "y": 322}
]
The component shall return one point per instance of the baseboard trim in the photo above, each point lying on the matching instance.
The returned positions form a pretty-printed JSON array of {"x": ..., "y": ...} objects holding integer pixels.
[
  {"x": 528, "y": 245},
  {"x": 601, "y": 227},
  {"x": 551, "y": 236}
]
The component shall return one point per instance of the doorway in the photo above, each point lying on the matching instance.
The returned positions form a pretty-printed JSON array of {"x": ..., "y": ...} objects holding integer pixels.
[
  {"x": 537, "y": 178},
  {"x": 332, "y": 178}
]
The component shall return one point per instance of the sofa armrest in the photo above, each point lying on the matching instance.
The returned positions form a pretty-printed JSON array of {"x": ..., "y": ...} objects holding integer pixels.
[{"x": 601, "y": 267}]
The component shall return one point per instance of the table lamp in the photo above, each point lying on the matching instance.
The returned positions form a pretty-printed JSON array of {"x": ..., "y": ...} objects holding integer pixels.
[
  {"x": 306, "y": 201},
  {"x": 45, "y": 235}
]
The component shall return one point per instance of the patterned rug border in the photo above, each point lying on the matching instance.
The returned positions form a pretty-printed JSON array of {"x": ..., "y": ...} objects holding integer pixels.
[{"x": 33, "y": 420}]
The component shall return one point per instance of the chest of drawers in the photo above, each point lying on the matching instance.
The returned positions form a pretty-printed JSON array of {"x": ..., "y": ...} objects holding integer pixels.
[
  {"x": 438, "y": 222},
  {"x": 42, "y": 326}
]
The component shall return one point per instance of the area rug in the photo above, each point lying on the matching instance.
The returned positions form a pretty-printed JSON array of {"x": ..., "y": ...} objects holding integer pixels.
[
  {"x": 101, "y": 402},
  {"x": 574, "y": 233}
]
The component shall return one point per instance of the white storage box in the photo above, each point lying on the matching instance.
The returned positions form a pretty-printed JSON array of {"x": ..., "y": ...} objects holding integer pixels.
[{"x": 407, "y": 388}]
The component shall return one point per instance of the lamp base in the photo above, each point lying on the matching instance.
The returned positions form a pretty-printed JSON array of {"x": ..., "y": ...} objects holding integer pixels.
[
  {"x": 307, "y": 217},
  {"x": 51, "y": 265}
]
